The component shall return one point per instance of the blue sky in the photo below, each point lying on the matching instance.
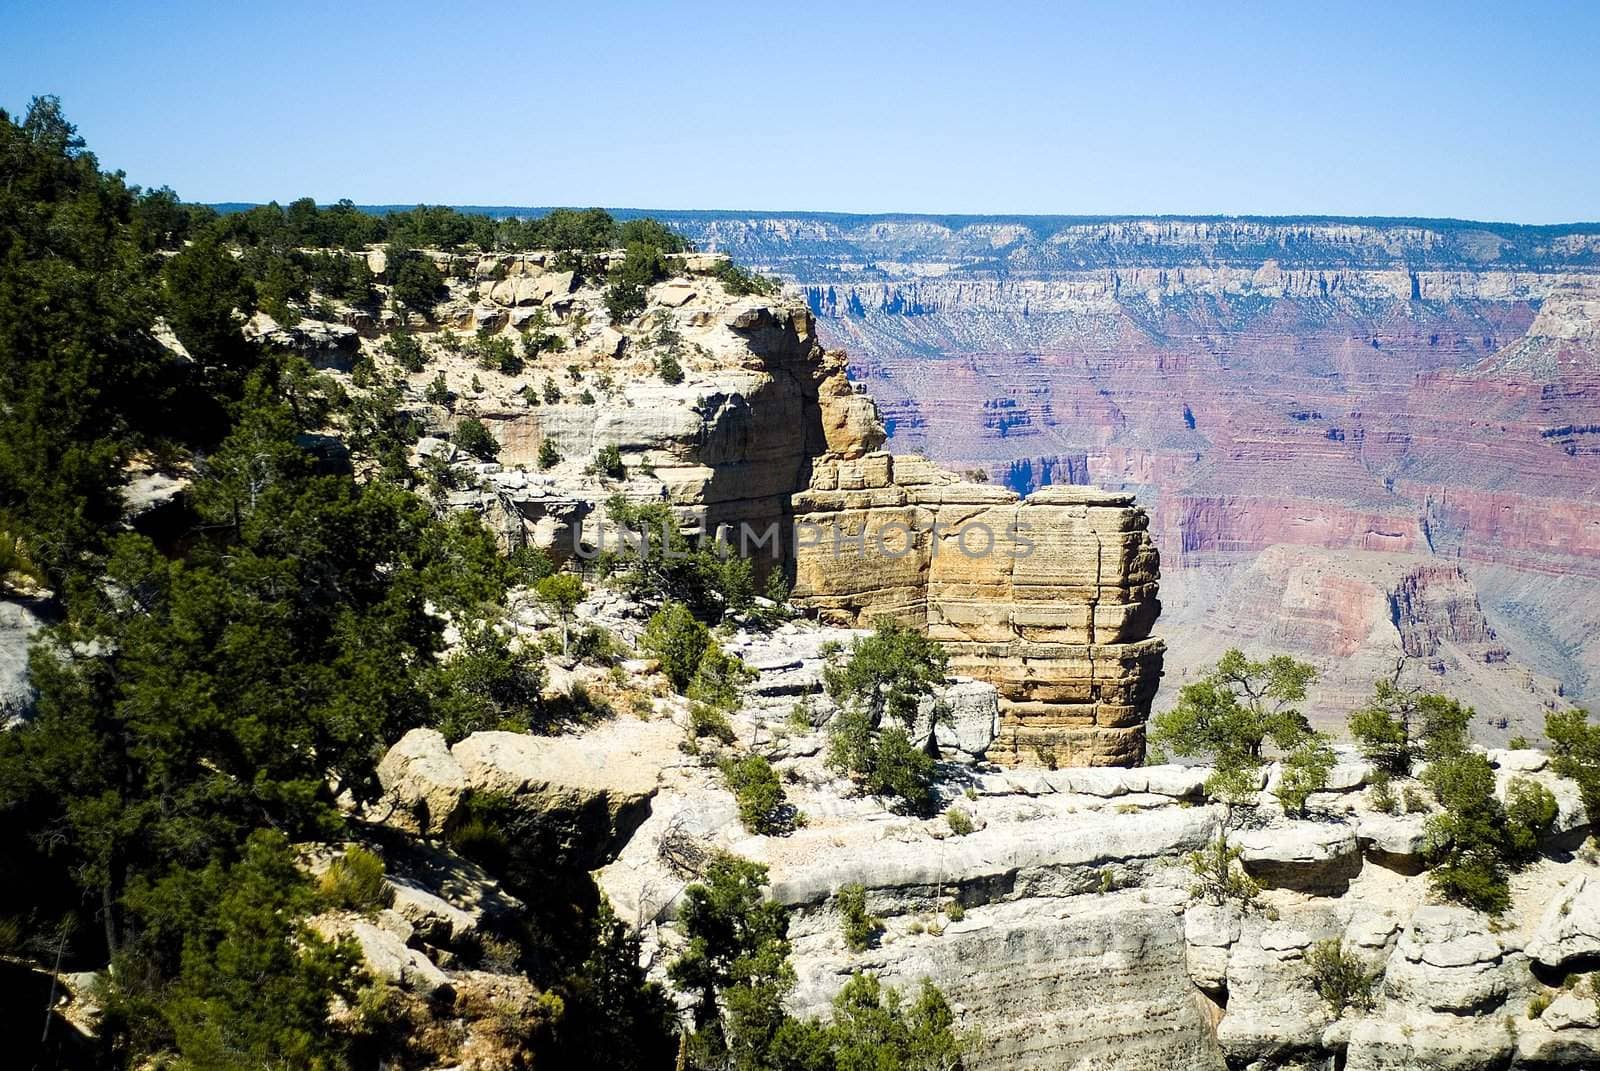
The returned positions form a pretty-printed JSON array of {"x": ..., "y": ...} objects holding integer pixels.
[{"x": 1485, "y": 111}]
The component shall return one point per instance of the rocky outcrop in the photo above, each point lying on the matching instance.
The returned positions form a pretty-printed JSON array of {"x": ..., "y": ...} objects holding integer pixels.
[
  {"x": 1050, "y": 598},
  {"x": 1424, "y": 390},
  {"x": 19, "y": 621},
  {"x": 767, "y": 441},
  {"x": 1569, "y": 931}
]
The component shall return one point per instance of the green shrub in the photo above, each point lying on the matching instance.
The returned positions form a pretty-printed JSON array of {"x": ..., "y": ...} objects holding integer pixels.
[
  {"x": 473, "y": 437},
  {"x": 1518, "y": 743},
  {"x": 669, "y": 369},
  {"x": 560, "y": 594},
  {"x": 356, "y": 882},
  {"x": 739, "y": 282},
  {"x": 1341, "y": 978},
  {"x": 1399, "y": 725},
  {"x": 764, "y": 807},
  {"x": 890, "y": 673},
  {"x": 960, "y": 821},
  {"x": 954, "y": 911},
  {"x": 549, "y": 456},
  {"x": 678, "y": 640},
  {"x": 1531, "y": 813},
  {"x": 1107, "y": 882},
  {"x": 1305, "y": 770},
  {"x": 496, "y": 354},
  {"x": 1233, "y": 711},
  {"x": 1380, "y": 791},
  {"x": 1467, "y": 840},
  {"x": 719, "y": 678},
  {"x": 1218, "y": 875},
  {"x": 609, "y": 462},
  {"x": 861, "y": 930},
  {"x": 707, "y": 721},
  {"x": 487, "y": 685},
  {"x": 1575, "y": 745},
  {"x": 404, "y": 349},
  {"x": 414, "y": 281},
  {"x": 900, "y": 770},
  {"x": 438, "y": 392}
]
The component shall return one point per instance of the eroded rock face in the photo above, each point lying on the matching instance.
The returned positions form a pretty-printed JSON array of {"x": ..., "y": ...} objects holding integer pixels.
[
  {"x": 576, "y": 799},
  {"x": 1064, "y": 985},
  {"x": 1050, "y": 598},
  {"x": 1570, "y": 928}
]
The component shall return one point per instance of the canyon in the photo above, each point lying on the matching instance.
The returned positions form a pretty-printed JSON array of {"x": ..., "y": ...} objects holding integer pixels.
[{"x": 1374, "y": 444}]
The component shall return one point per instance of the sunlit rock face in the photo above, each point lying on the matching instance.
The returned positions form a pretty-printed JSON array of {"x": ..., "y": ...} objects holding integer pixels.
[
  {"x": 1382, "y": 396},
  {"x": 1050, "y": 598}
]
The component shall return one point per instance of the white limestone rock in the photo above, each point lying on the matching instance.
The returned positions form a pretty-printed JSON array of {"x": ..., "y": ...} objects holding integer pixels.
[
  {"x": 422, "y": 783},
  {"x": 1448, "y": 961},
  {"x": 1310, "y": 856},
  {"x": 1570, "y": 927}
]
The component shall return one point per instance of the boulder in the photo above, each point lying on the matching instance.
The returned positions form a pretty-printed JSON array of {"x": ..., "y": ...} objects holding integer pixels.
[
  {"x": 1398, "y": 842},
  {"x": 609, "y": 342},
  {"x": 1518, "y": 760},
  {"x": 385, "y": 952},
  {"x": 488, "y": 318},
  {"x": 1569, "y": 930},
  {"x": 574, "y": 799},
  {"x": 1448, "y": 961},
  {"x": 968, "y": 716},
  {"x": 1308, "y": 856},
  {"x": 1428, "y": 1042},
  {"x": 1210, "y": 931},
  {"x": 674, "y": 295},
  {"x": 1572, "y": 1011},
  {"x": 422, "y": 783},
  {"x": 433, "y": 919},
  {"x": 1273, "y": 1012}
]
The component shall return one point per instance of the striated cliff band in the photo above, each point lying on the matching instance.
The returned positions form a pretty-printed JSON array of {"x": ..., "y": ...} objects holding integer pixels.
[
  {"x": 765, "y": 441},
  {"x": 1376, "y": 395}
]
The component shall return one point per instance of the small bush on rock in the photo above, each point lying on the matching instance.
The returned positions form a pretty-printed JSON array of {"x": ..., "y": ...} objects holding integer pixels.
[
  {"x": 707, "y": 721},
  {"x": 960, "y": 821},
  {"x": 355, "y": 882},
  {"x": 1531, "y": 813},
  {"x": 1218, "y": 875},
  {"x": 861, "y": 930},
  {"x": 1467, "y": 839},
  {"x": 1342, "y": 979},
  {"x": 676, "y": 639},
  {"x": 1575, "y": 743},
  {"x": 608, "y": 462},
  {"x": 719, "y": 678},
  {"x": 1305, "y": 770},
  {"x": 474, "y": 438},
  {"x": 764, "y": 807}
]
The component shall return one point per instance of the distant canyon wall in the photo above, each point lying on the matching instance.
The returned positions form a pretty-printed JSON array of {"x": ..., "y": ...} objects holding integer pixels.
[{"x": 1426, "y": 392}]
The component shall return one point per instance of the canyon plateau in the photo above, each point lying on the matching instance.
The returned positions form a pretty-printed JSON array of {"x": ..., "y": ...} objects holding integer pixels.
[{"x": 1375, "y": 444}]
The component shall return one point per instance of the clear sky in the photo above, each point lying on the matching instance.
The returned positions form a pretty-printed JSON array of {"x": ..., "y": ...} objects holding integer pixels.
[{"x": 1482, "y": 111}]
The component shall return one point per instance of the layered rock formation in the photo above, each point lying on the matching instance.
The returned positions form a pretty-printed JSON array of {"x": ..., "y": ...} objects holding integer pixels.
[
  {"x": 1051, "y": 598},
  {"x": 1063, "y": 926},
  {"x": 1405, "y": 388}
]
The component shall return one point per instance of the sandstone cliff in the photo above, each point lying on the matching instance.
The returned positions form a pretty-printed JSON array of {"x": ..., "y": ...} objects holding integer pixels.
[
  {"x": 1052, "y": 598},
  {"x": 1396, "y": 387},
  {"x": 1060, "y": 920}
]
